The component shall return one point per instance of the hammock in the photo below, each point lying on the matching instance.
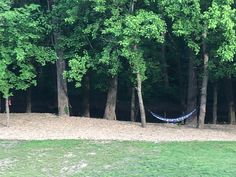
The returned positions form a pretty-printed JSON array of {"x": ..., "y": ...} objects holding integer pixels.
[{"x": 175, "y": 120}]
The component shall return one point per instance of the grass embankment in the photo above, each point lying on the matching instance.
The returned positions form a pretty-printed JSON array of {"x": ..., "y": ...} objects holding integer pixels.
[{"x": 113, "y": 158}]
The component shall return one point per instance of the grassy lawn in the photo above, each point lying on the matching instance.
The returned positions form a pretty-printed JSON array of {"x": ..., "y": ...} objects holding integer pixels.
[{"x": 114, "y": 158}]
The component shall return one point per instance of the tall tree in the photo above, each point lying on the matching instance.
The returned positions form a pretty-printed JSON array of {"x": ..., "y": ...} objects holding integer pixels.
[
  {"x": 21, "y": 29},
  {"x": 120, "y": 28},
  {"x": 205, "y": 77},
  {"x": 138, "y": 25},
  {"x": 197, "y": 21},
  {"x": 62, "y": 93},
  {"x": 103, "y": 57}
]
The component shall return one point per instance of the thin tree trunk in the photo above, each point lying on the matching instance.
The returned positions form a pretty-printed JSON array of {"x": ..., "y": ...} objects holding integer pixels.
[
  {"x": 203, "y": 99},
  {"x": 7, "y": 111},
  {"x": 192, "y": 91},
  {"x": 140, "y": 99},
  {"x": 86, "y": 95},
  {"x": 110, "y": 110},
  {"x": 215, "y": 102},
  {"x": 164, "y": 65},
  {"x": 230, "y": 97},
  {"x": 28, "y": 101},
  {"x": 132, "y": 113},
  {"x": 139, "y": 85}
]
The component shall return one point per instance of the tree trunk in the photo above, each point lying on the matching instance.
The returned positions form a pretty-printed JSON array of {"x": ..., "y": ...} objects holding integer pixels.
[
  {"x": 1, "y": 104},
  {"x": 203, "y": 99},
  {"x": 133, "y": 110},
  {"x": 215, "y": 102},
  {"x": 164, "y": 65},
  {"x": 28, "y": 101},
  {"x": 8, "y": 112},
  {"x": 230, "y": 98},
  {"x": 192, "y": 91},
  {"x": 139, "y": 85},
  {"x": 86, "y": 96},
  {"x": 62, "y": 96},
  {"x": 231, "y": 113},
  {"x": 110, "y": 110},
  {"x": 140, "y": 99}
]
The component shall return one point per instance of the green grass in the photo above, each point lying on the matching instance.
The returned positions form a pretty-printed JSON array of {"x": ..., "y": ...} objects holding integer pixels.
[{"x": 114, "y": 158}]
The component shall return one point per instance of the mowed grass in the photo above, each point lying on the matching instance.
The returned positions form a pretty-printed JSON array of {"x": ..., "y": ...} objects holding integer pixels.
[{"x": 115, "y": 158}]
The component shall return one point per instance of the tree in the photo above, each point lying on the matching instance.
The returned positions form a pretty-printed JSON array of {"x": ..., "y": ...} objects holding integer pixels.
[
  {"x": 225, "y": 70},
  {"x": 222, "y": 20},
  {"x": 196, "y": 21},
  {"x": 86, "y": 54},
  {"x": 115, "y": 27},
  {"x": 20, "y": 30},
  {"x": 58, "y": 27},
  {"x": 132, "y": 29}
]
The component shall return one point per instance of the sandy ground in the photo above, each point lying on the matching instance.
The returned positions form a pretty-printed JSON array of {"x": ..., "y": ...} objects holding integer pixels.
[{"x": 48, "y": 126}]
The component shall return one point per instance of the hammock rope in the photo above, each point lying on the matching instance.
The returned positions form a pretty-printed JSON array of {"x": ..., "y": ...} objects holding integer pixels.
[{"x": 173, "y": 120}]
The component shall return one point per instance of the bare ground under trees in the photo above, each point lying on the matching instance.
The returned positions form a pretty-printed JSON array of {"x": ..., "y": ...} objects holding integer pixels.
[{"x": 49, "y": 126}]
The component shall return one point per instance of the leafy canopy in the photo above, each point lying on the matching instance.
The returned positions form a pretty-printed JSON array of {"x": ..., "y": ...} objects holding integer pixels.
[{"x": 20, "y": 32}]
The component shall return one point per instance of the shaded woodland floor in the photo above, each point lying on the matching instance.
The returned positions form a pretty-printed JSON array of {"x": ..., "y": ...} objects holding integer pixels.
[{"x": 49, "y": 126}]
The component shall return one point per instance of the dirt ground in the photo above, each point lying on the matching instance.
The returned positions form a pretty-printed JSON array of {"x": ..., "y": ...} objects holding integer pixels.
[{"x": 49, "y": 126}]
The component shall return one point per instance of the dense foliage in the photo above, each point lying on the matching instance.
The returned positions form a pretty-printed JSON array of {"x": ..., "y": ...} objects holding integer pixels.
[{"x": 117, "y": 46}]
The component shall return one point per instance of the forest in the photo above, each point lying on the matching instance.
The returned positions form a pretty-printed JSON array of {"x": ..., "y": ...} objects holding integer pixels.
[{"x": 119, "y": 59}]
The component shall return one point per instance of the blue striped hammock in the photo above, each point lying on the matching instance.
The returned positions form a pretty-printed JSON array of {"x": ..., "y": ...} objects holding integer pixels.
[{"x": 174, "y": 120}]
